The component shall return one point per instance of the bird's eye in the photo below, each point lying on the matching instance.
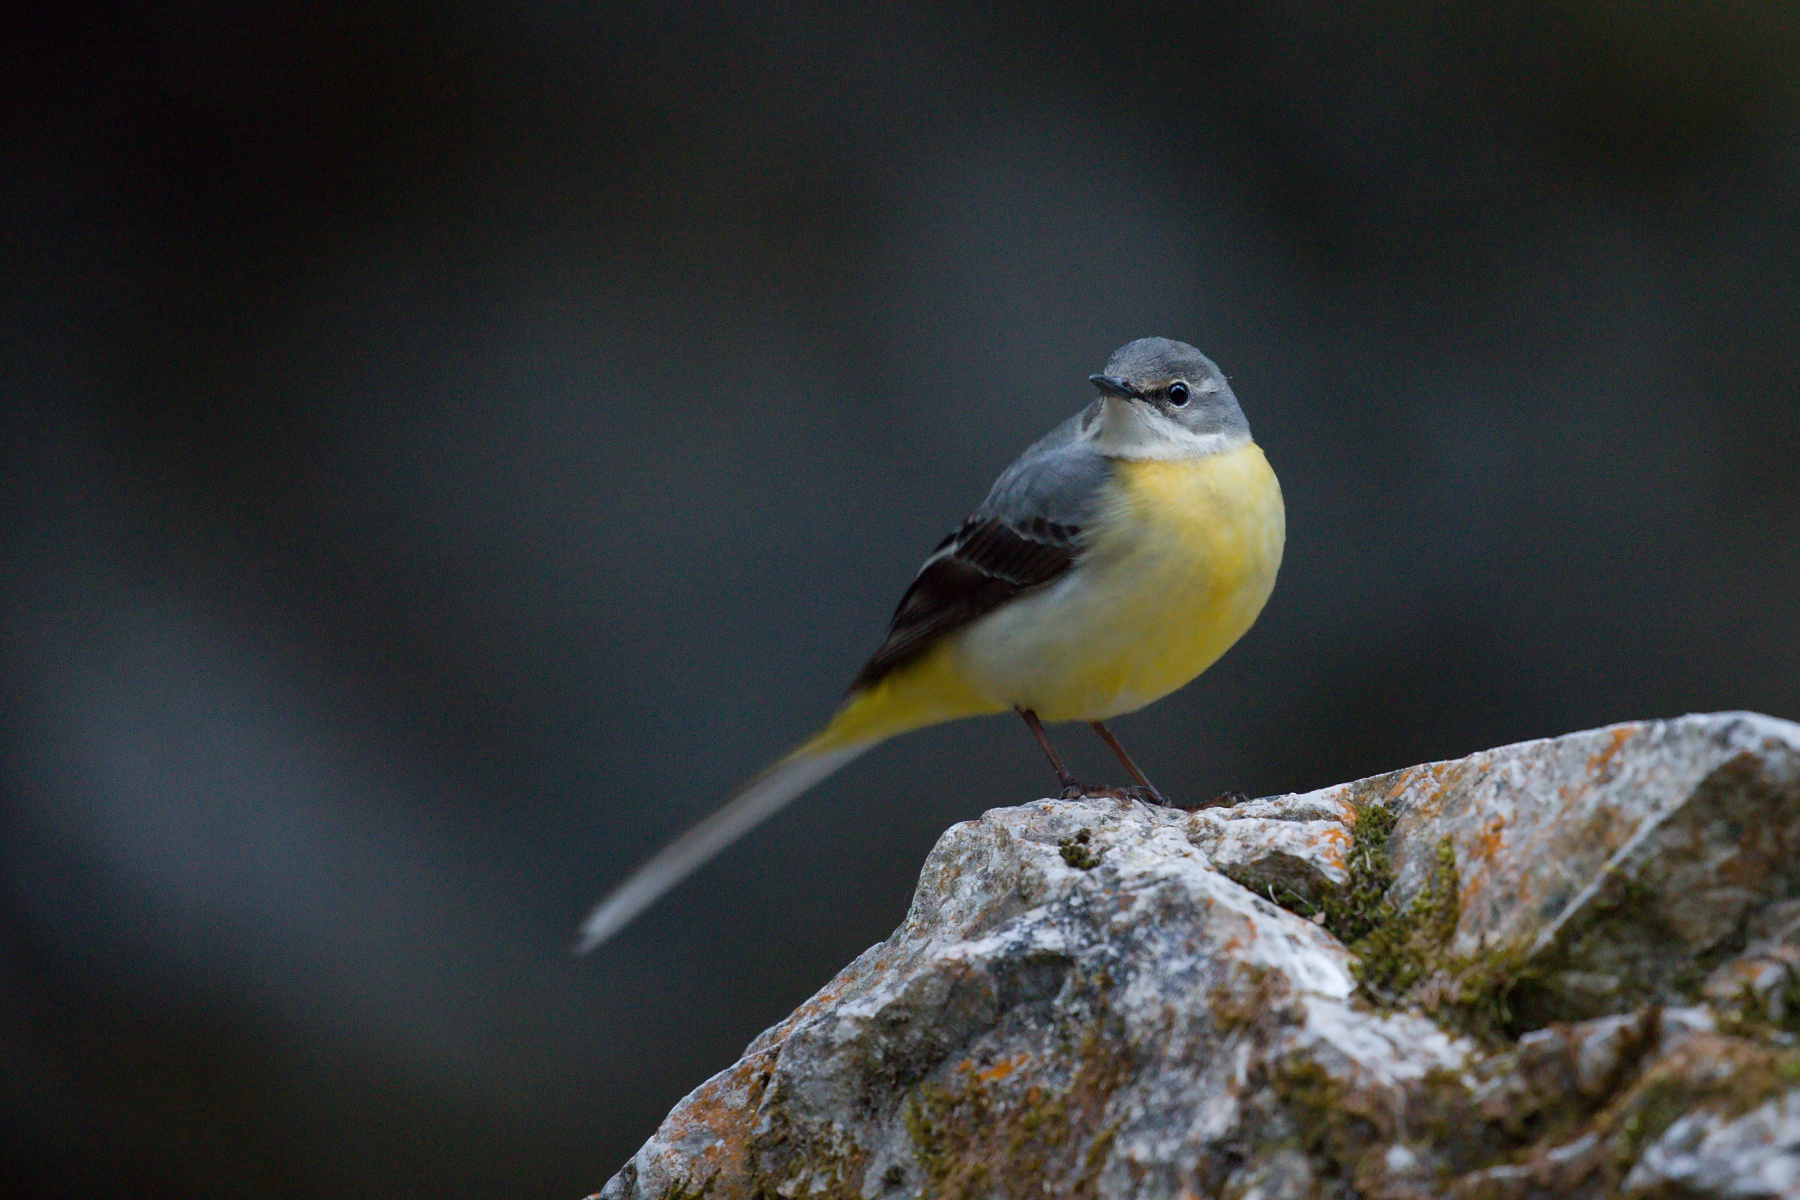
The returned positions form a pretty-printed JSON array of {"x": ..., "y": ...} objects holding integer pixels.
[{"x": 1178, "y": 394}]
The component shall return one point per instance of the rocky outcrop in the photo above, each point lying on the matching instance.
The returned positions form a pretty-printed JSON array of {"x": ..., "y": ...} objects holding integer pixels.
[{"x": 1565, "y": 968}]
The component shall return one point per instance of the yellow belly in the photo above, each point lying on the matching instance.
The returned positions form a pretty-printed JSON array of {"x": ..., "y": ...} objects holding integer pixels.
[{"x": 1177, "y": 570}]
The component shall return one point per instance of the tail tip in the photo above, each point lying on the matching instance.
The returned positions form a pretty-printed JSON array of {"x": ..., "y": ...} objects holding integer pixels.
[{"x": 599, "y": 927}]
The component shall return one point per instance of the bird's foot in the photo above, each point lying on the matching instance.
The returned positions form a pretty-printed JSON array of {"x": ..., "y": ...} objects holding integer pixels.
[
  {"x": 1223, "y": 800},
  {"x": 1091, "y": 791},
  {"x": 1125, "y": 795}
]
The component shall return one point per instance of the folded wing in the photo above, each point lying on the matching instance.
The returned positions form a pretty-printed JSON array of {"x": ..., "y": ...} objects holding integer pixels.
[{"x": 973, "y": 571}]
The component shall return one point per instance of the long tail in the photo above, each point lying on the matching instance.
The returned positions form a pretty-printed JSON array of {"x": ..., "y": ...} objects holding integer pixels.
[
  {"x": 924, "y": 694},
  {"x": 756, "y": 801}
]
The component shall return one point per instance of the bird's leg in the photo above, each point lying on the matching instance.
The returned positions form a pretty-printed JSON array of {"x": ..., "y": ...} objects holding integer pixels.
[
  {"x": 1072, "y": 788},
  {"x": 1112, "y": 743},
  {"x": 1056, "y": 764}
]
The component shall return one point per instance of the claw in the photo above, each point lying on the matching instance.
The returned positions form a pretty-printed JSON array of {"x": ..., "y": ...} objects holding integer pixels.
[
  {"x": 1089, "y": 791},
  {"x": 1223, "y": 800}
]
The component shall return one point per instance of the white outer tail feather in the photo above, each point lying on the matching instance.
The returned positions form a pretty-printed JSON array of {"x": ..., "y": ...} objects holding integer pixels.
[{"x": 758, "y": 800}]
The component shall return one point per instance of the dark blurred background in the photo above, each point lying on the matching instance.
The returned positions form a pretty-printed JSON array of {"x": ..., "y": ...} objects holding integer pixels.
[{"x": 445, "y": 449}]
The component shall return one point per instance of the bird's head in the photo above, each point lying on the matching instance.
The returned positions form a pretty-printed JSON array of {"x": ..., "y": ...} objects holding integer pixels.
[{"x": 1166, "y": 399}]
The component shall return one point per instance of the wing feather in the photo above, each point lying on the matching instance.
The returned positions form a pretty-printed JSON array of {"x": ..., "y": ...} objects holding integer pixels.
[
  {"x": 975, "y": 570},
  {"x": 1025, "y": 535}
]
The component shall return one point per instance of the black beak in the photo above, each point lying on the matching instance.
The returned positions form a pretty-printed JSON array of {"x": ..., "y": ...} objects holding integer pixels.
[{"x": 1111, "y": 386}]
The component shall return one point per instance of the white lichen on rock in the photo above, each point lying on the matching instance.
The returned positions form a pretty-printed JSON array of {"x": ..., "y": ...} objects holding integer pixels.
[{"x": 1563, "y": 968}]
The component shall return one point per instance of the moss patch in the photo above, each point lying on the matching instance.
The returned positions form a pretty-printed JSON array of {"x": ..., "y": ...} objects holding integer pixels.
[
  {"x": 1355, "y": 910},
  {"x": 1723, "y": 1075},
  {"x": 1474, "y": 996},
  {"x": 1402, "y": 945},
  {"x": 982, "y": 1133},
  {"x": 1763, "y": 1017},
  {"x": 1529, "y": 1113},
  {"x": 1077, "y": 852},
  {"x": 1257, "y": 997},
  {"x": 1402, "y": 951},
  {"x": 1313, "y": 1100},
  {"x": 1395, "y": 946},
  {"x": 1324, "y": 1122}
]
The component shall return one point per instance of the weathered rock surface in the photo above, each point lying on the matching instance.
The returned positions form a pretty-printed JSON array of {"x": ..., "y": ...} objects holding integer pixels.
[{"x": 1565, "y": 968}]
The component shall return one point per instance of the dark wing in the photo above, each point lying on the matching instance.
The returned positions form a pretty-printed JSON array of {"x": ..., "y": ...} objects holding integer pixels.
[{"x": 973, "y": 571}]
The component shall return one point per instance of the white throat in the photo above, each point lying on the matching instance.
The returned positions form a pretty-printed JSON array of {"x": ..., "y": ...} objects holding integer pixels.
[{"x": 1124, "y": 429}]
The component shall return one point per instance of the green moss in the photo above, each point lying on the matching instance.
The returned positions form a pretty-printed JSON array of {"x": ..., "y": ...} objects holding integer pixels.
[
  {"x": 977, "y": 1134},
  {"x": 1768, "y": 1018},
  {"x": 1293, "y": 901},
  {"x": 1324, "y": 1127},
  {"x": 681, "y": 1191},
  {"x": 1658, "y": 1109},
  {"x": 1097, "y": 1150},
  {"x": 1355, "y": 910},
  {"x": 1726, "y": 1076},
  {"x": 1402, "y": 952},
  {"x": 1403, "y": 945},
  {"x": 1313, "y": 1100},
  {"x": 1403, "y": 957},
  {"x": 777, "y": 1156},
  {"x": 1077, "y": 853},
  {"x": 1475, "y": 996},
  {"x": 1254, "y": 997},
  {"x": 1395, "y": 947}
]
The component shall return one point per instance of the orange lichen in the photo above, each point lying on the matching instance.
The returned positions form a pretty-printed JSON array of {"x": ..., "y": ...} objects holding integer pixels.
[
  {"x": 1488, "y": 839},
  {"x": 973, "y": 1139},
  {"x": 1598, "y": 762},
  {"x": 1334, "y": 847},
  {"x": 725, "y": 1107},
  {"x": 1000, "y": 1070}
]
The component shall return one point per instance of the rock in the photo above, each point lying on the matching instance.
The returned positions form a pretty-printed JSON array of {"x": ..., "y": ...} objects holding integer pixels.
[
  {"x": 1287, "y": 844},
  {"x": 1618, "y": 860},
  {"x": 1562, "y": 968},
  {"x": 1758, "y": 1154}
]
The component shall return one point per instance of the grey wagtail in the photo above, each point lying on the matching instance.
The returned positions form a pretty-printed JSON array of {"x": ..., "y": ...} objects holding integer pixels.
[{"x": 1117, "y": 559}]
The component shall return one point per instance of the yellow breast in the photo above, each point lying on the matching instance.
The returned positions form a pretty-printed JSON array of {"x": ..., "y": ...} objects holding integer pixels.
[{"x": 1177, "y": 569}]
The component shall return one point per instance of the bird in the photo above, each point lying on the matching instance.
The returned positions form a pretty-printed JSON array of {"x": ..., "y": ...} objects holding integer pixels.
[{"x": 1115, "y": 560}]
